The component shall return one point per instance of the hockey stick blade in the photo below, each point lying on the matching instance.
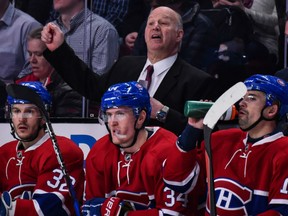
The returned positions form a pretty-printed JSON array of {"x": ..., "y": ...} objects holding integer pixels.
[
  {"x": 222, "y": 104},
  {"x": 28, "y": 94}
]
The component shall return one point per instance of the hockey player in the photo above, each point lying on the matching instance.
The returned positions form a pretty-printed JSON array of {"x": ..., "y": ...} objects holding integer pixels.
[
  {"x": 250, "y": 162},
  {"x": 31, "y": 180},
  {"x": 124, "y": 168}
]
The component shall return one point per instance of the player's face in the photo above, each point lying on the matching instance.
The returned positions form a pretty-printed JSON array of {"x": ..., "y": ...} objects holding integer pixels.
[
  {"x": 121, "y": 123},
  {"x": 26, "y": 119},
  {"x": 250, "y": 108},
  {"x": 163, "y": 34},
  {"x": 41, "y": 68}
]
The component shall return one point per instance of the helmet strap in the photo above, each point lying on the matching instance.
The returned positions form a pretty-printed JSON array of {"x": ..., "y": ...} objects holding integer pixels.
[
  {"x": 135, "y": 135},
  {"x": 134, "y": 139},
  {"x": 259, "y": 120}
]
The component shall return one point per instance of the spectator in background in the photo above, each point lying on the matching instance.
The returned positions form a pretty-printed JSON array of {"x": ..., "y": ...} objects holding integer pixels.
[
  {"x": 197, "y": 39},
  {"x": 93, "y": 38},
  {"x": 31, "y": 178},
  {"x": 282, "y": 17},
  {"x": 283, "y": 72},
  {"x": 15, "y": 25},
  {"x": 65, "y": 101},
  {"x": 174, "y": 81},
  {"x": 40, "y": 10},
  {"x": 232, "y": 31},
  {"x": 262, "y": 51},
  {"x": 126, "y": 15}
]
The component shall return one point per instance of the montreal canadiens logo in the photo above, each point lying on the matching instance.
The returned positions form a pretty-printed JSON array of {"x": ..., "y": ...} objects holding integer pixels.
[
  {"x": 231, "y": 197},
  {"x": 281, "y": 82}
]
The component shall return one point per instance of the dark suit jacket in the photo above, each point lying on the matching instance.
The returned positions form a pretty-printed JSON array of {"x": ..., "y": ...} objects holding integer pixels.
[{"x": 183, "y": 82}]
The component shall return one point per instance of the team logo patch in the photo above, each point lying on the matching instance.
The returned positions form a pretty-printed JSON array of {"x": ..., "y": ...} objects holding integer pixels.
[
  {"x": 231, "y": 197},
  {"x": 281, "y": 82},
  {"x": 19, "y": 154},
  {"x": 127, "y": 157},
  {"x": 139, "y": 86}
]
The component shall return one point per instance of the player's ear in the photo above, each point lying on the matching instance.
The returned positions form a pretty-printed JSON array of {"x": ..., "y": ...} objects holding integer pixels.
[
  {"x": 180, "y": 35},
  {"x": 141, "y": 119},
  {"x": 271, "y": 111}
]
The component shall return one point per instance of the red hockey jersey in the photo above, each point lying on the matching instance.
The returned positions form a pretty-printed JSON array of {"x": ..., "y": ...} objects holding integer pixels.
[
  {"x": 249, "y": 179},
  {"x": 136, "y": 177},
  {"x": 37, "y": 171}
]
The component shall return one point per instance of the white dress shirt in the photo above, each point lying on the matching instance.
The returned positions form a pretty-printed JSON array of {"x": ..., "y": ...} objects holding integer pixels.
[{"x": 160, "y": 70}]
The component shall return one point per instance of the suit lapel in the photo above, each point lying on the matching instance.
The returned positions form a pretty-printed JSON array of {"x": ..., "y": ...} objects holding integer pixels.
[
  {"x": 169, "y": 81},
  {"x": 136, "y": 67}
]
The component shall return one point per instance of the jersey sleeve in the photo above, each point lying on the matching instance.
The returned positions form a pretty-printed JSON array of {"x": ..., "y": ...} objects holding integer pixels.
[
  {"x": 167, "y": 201},
  {"x": 95, "y": 170},
  {"x": 277, "y": 198},
  {"x": 181, "y": 170}
]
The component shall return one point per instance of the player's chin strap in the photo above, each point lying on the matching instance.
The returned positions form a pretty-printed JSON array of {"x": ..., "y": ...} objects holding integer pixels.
[
  {"x": 33, "y": 137},
  {"x": 259, "y": 120},
  {"x": 134, "y": 138}
]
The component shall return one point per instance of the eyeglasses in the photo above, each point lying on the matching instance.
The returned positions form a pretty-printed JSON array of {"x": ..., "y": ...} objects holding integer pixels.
[{"x": 29, "y": 113}]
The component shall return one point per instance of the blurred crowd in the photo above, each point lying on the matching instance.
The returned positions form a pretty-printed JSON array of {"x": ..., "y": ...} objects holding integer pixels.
[{"x": 229, "y": 40}]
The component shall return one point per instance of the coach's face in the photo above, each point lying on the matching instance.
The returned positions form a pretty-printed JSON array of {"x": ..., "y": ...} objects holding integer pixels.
[{"x": 163, "y": 32}]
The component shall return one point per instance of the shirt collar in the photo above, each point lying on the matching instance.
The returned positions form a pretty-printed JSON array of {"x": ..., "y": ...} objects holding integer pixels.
[
  {"x": 37, "y": 144},
  {"x": 8, "y": 15},
  {"x": 76, "y": 20},
  {"x": 265, "y": 139},
  {"x": 162, "y": 65}
]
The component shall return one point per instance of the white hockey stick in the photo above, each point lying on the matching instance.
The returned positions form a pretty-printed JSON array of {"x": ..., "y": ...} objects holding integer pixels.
[{"x": 221, "y": 105}]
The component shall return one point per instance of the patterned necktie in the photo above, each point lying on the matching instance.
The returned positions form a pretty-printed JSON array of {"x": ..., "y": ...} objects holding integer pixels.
[{"x": 149, "y": 71}]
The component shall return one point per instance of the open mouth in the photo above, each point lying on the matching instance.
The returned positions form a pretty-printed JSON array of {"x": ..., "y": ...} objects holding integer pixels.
[{"x": 156, "y": 36}]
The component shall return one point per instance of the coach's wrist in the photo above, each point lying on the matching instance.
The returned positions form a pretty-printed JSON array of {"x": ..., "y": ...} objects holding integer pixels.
[{"x": 161, "y": 114}]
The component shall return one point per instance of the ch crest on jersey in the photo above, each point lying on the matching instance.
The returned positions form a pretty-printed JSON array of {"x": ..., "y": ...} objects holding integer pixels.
[
  {"x": 17, "y": 190},
  {"x": 231, "y": 197}
]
